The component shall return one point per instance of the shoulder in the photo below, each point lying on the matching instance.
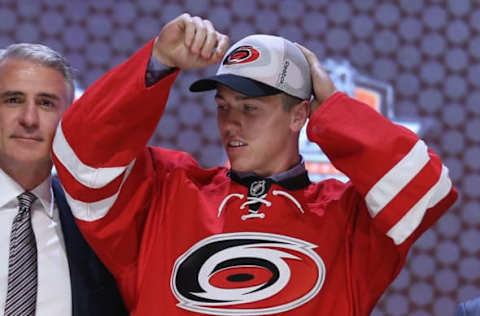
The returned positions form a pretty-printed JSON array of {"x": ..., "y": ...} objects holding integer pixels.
[
  {"x": 331, "y": 190},
  {"x": 59, "y": 193},
  {"x": 180, "y": 162},
  {"x": 171, "y": 159}
]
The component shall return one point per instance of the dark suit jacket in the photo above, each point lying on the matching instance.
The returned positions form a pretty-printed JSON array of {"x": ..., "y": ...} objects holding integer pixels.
[
  {"x": 469, "y": 308},
  {"x": 94, "y": 291}
]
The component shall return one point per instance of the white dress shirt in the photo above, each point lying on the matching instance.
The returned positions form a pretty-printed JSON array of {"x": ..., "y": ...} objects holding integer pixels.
[{"x": 54, "y": 292}]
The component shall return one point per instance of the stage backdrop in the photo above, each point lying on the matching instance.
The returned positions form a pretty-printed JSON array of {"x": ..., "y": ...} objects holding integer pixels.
[{"x": 425, "y": 52}]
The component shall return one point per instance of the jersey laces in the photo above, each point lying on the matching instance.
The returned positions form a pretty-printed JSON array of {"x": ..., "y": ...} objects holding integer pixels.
[{"x": 257, "y": 199}]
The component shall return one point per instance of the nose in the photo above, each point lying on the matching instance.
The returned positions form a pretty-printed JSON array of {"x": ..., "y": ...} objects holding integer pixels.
[
  {"x": 230, "y": 118},
  {"x": 29, "y": 118}
]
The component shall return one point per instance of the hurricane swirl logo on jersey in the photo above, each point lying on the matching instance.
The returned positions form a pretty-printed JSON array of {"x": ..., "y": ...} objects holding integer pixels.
[
  {"x": 247, "y": 274},
  {"x": 241, "y": 55}
]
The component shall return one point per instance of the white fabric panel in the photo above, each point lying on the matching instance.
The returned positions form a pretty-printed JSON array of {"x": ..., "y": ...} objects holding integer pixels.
[
  {"x": 90, "y": 177},
  {"x": 397, "y": 178},
  {"x": 95, "y": 210},
  {"x": 412, "y": 219}
]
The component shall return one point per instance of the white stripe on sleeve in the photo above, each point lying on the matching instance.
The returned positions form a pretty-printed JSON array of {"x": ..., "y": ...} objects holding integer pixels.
[
  {"x": 397, "y": 178},
  {"x": 92, "y": 211},
  {"x": 90, "y": 177},
  {"x": 412, "y": 219}
]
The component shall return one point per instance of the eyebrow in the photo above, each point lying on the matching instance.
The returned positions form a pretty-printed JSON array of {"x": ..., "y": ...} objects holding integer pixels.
[
  {"x": 48, "y": 95},
  {"x": 10, "y": 93}
]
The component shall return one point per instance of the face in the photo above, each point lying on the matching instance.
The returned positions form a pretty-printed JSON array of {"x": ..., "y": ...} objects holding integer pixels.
[
  {"x": 259, "y": 135},
  {"x": 32, "y": 100}
]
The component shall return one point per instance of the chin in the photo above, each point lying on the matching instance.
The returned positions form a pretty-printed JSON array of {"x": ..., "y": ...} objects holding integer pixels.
[
  {"x": 240, "y": 167},
  {"x": 32, "y": 159}
]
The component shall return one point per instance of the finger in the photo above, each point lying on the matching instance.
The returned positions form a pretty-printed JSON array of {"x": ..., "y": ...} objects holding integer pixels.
[
  {"x": 222, "y": 42},
  {"x": 200, "y": 35},
  {"x": 222, "y": 45},
  {"x": 311, "y": 58},
  {"x": 309, "y": 55},
  {"x": 315, "y": 65},
  {"x": 210, "y": 40},
  {"x": 189, "y": 26},
  {"x": 305, "y": 50}
]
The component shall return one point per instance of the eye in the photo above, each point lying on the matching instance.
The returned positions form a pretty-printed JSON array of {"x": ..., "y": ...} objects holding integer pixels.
[
  {"x": 249, "y": 108},
  {"x": 13, "y": 100},
  {"x": 46, "y": 103},
  {"x": 221, "y": 107}
]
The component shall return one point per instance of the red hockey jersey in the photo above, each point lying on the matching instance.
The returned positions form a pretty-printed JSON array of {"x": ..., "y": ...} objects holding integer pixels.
[{"x": 182, "y": 240}]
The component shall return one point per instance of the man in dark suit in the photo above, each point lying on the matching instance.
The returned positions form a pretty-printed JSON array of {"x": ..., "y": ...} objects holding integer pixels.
[
  {"x": 469, "y": 308},
  {"x": 46, "y": 267}
]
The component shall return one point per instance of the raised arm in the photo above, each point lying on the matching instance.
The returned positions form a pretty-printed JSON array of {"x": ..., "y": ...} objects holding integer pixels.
[
  {"x": 119, "y": 106},
  {"x": 404, "y": 184},
  {"x": 100, "y": 146}
]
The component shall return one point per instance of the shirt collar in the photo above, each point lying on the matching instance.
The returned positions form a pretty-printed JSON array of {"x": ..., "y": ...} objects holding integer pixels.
[
  {"x": 11, "y": 189},
  {"x": 296, "y": 170}
]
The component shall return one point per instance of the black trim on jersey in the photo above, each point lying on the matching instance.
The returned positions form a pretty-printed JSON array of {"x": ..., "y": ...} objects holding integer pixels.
[
  {"x": 258, "y": 186},
  {"x": 297, "y": 182}
]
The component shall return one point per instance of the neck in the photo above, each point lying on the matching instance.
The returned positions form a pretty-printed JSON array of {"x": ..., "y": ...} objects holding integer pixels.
[
  {"x": 30, "y": 177},
  {"x": 292, "y": 158}
]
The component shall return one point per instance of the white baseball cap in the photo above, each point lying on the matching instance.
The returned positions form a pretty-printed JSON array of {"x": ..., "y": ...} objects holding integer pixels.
[{"x": 260, "y": 65}]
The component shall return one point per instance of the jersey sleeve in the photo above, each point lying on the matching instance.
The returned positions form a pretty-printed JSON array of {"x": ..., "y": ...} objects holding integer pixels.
[
  {"x": 404, "y": 184},
  {"x": 103, "y": 162},
  {"x": 399, "y": 188}
]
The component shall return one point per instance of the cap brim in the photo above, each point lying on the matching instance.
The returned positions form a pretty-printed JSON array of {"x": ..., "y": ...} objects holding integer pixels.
[{"x": 249, "y": 87}]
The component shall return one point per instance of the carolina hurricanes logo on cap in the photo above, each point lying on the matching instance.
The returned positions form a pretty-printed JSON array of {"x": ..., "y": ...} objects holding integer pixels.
[
  {"x": 241, "y": 55},
  {"x": 247, "y": 274}
]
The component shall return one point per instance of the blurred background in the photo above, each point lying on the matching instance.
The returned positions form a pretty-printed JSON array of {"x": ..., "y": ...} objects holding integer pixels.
[{"x": 424, "y": 53}]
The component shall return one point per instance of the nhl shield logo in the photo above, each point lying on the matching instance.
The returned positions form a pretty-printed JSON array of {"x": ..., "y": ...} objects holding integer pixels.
[{"x": 257, "y": 188}]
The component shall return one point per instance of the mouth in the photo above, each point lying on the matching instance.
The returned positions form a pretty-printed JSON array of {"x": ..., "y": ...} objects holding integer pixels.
[
  {"x": 27, "y": 138},
  {"x": 236, "y": 143}
]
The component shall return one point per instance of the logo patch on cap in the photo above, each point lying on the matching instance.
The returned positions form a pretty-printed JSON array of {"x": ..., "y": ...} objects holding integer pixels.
[{"x": 242, "y": 55}]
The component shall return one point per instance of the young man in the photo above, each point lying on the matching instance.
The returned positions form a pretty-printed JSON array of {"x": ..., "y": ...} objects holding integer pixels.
[
  {"x": 259, "y": 238},
  {"x": 46, "y": 267}
]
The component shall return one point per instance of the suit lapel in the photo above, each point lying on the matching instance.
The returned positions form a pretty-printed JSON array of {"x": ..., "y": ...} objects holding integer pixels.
[
  {"x": 72, "y": 238},
  {"x": 94, "y": 290}
]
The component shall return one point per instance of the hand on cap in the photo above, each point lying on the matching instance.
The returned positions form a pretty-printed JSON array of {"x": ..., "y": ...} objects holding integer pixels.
[
  {"x": 189, "y": 42},
  {"x": 323, "y": 86}
]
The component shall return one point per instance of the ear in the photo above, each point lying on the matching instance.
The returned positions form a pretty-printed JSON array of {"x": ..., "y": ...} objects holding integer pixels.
[{"x": 298, "y": 115}]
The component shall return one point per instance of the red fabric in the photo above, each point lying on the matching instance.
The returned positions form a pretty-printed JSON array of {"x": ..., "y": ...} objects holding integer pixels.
[{"x": 168, "y": 204}]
